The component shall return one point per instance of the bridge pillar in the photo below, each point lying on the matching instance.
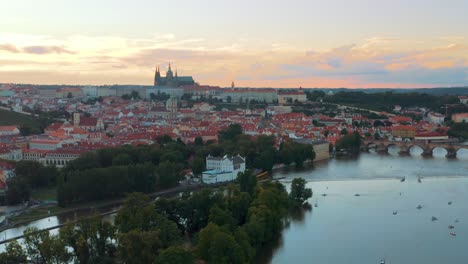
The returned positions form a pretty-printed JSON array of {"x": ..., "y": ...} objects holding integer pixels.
[
  {"x": 427, "y": 151},
  {"x": 381, "y": 148},
  {"x": 451, "y": 153}
]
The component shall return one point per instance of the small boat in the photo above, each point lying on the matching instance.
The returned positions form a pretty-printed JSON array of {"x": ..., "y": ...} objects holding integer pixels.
[
  {"x": 419, "y": 179},
  {"x": 403, "y": 179},
  {"x": 419, "y": 207},
  {"x": 357, "y": 194},
  {"x": 316, "y": 205},
  {"x": 434, "y": 218},
  {"x": 382, "y": 261},
  {"x": 395, "y": 212},
  {"x": 451, "y": 227},
  {"x": 453, "y": 233},
  {"x": 324, "y": 194},
  {"x": 450, "y": 203},
  {"x": 456, "y": 220}
]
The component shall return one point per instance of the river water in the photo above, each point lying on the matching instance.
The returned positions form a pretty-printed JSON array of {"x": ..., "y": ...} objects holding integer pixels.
[{"x": 345, "y": 228}]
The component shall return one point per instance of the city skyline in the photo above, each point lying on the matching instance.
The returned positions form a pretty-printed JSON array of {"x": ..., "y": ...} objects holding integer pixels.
[{"x": 364, "y": 44}]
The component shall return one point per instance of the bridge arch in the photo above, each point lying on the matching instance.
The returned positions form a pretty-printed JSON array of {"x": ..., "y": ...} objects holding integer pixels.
[{"x": 462, "y": 152}]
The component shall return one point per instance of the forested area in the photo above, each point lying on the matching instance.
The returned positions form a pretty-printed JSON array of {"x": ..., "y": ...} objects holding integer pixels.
[
  {"x": 459, "y": 130},
  {"x": 216, "y": 226},
  {"x": 387, "y": 100}
]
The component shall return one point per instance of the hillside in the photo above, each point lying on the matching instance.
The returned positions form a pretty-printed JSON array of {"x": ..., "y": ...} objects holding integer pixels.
[{"x": 13, "y": 118}]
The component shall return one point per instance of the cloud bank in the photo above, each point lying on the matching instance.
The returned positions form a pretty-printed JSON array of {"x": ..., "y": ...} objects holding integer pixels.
[{"x": 372, "y": 62}]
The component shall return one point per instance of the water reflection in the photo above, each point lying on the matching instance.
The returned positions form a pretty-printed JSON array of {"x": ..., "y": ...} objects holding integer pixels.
[{"x": 345, "y": 228}]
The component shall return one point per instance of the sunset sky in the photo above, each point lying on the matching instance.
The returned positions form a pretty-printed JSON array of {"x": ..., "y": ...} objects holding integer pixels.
[{"x": 261, "y": 43}]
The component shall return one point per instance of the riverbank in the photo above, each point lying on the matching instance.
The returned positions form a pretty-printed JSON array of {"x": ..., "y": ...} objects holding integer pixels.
[{"x": 35, "y": 214}]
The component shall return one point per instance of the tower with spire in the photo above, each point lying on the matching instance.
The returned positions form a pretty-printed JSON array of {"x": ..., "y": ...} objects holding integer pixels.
[{"x": 157, "y": 76}]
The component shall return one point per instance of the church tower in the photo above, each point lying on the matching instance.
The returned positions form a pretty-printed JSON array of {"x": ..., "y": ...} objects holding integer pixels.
[
  {"x": 76, "y": 119},
  {"x": 157, "y": 76},
  {"x": 169, "y": 75}
]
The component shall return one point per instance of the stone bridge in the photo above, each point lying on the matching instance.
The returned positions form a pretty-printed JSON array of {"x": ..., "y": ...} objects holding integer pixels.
[{"x": 382, "y": 146}]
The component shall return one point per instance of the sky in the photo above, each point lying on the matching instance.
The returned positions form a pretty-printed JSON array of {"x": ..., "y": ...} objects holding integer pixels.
[{"x": 261, "y": 43}]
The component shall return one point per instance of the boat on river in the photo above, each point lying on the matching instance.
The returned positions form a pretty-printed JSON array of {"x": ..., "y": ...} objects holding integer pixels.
[
  {"x": 419, "y": 207},
  {"x": 382, "y": 261},
  {"x": 451, "y": 227},
  {"x": 453, "y": 234},
  {"x": 419, "y": 179},
  {"x": 434, "y": 218},
  {"x": 395, "y": 212},
  {"x": 403, "y": 179},
  {"x": 450, "y": 203}
]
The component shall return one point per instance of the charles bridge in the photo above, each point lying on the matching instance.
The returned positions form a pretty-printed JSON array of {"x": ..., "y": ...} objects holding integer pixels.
[{"x": 382, "y": 146}]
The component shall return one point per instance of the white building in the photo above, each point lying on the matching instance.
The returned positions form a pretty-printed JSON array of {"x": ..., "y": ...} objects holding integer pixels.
[
  {"x": 291, "y": 96},
  {"x": 9, "y": 130},
  {"x": 90, "y": 91},
  {"x": 435, "y": 118},
  {"x": 11, "y": 153},
  {"x": 463, "y": 99},
  {"x": 222, "y": 169},
  {"x": 245, "y": 94}
]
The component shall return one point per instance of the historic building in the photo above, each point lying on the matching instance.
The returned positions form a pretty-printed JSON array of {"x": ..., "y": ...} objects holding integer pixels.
[
  {"x": 222, "y": 169},
  {"x": 171, "y": 80},
  {"x": 88, "y": 123}
]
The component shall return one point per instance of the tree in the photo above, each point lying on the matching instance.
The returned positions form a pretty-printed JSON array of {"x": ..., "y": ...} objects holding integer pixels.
[
  {"x": 175, "y": 255},
  {"x": 18, "y": 190},
  {"x": 378, "y": 123},
  {"x": 43, "y": 247},
  {"x": 350, "y": 142},
  {"x": 138, "y": 246},
  {"x": 136, "y": 213},
  {"x": 198, "y": 165},
  {"x": 222, "y": 218},
  {"x": 231, "y": 133},
  {"x": 344, "y": 131},
  {"x": 168, "y": 174},
  {"x": 247, "y": 182},
  {"x": 198, "y": 141},
  {"x": 69, "y": 95},
  {"x": 229, "y": 99},
  {"x": 122, "y": 159},
  {"x": 219, "y": 246},
  {"x": 299, "y": 194},
  {"x": 224, "y": 249},
  {"x": 14, "y": 254},
  {"x": 91, "y": 240},
  {"x": 134, "y": 95}
]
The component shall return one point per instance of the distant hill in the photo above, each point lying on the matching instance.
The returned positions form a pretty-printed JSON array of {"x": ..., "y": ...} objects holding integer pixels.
[{"x": 431, "y": 91}]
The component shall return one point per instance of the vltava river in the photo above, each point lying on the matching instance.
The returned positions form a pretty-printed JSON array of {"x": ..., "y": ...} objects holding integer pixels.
[{"x": 345, "y": 228}]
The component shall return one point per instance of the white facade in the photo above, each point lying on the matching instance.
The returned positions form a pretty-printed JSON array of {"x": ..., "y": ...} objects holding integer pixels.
[
  {"x": 90, "y": 91},
  {"x": 15, "y": 154},
  {"x": 222, "y": 169},
  {"x": 435, "y": 118},
  {"x": 242, "y": 95}
]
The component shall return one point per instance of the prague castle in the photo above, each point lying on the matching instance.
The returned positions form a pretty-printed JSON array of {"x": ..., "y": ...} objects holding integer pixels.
[{"x": 171, "y": 80}]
